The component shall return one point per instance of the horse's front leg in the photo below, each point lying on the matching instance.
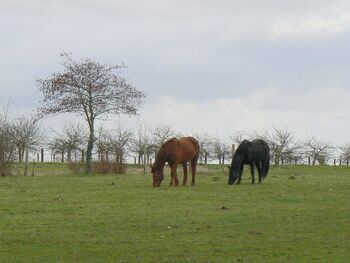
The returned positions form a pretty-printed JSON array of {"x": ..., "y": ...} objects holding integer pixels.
[
  {"x": 252, "y": 172},
  {"x": 184, "y": 182},
  {"x": 174, "y": 181},
  {"x": 240, "y": 173}
]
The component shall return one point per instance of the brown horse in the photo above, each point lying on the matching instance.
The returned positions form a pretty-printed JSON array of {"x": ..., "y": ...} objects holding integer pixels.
[{"x": 176, "y": 151}]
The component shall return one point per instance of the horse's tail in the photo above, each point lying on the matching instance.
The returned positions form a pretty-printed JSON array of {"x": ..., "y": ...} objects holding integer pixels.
[
  {"x": 196, "y": 145},
  {"x": 266, "y": 165}
]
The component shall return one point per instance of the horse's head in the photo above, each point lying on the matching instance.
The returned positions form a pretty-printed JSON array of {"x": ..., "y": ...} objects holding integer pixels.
[
  {"x": 157, "y": 176},
  {"x": 232, "y": 175}
]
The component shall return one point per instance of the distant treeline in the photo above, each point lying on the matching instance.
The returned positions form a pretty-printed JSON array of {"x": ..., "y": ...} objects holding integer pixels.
[{"x": 24, "y": 139}]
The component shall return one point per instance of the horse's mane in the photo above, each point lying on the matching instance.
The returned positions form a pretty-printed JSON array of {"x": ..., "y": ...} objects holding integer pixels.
[
  {"x": 242, "y": 146},
  {"x": 171, "y": 140},
  {"x": 161, "y": 157},
  {"x": 241, "y": 149}
]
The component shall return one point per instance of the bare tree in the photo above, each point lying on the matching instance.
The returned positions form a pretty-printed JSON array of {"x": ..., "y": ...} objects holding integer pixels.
[
  {"x": 282, "y": 145},
  {"x": 102, "y": 146},
  {"x": 345, "y": 153},
  {"x": 27, "y": 135},
  {"x": 91, "y": 90},
  {"x": 57, "y": 147},
  {"x": 205, "y": 146},
  {"x": 238, "y": 137},
  {"x": 221, "y": 150},
  {"x": 7, "y": 146},
  {"x": 141, "y": 145},
  {"x": 161, "y": 134},
  {"x": 317, "y": 151},
  {"x": 19, "y": 137},
  {"x": 118, "y": 140},
  {"x": 73, "y": 138}
]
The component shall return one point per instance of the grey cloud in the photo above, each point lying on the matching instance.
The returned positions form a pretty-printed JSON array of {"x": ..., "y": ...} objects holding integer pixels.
[{"x": 198, "y": 50}]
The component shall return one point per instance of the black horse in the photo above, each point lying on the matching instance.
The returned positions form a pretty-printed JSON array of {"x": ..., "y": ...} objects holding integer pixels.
[{"x": 255, "y": 152}]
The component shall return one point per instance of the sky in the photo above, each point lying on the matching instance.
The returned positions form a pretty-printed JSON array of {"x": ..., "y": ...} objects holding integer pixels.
[{"x": 206, "y": 66}]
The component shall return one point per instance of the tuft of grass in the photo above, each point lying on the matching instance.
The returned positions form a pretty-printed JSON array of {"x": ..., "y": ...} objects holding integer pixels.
[{"x": 121, "y": 218}]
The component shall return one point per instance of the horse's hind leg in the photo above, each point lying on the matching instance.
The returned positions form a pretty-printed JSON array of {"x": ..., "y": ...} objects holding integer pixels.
[
  {"x": 194, "y": 170},
  {"x": 184, "y": 182},
  {"x": 258, "y": 167},
  {"x": 252, "y": 172}
]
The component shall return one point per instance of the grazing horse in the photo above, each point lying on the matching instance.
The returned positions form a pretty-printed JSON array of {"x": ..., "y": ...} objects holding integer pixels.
[
  {"x": 176, "y": 151},
  {"x": 255, "y": 152}
]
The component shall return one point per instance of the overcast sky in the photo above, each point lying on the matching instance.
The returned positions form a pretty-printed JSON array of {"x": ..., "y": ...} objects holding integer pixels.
[{"x": 215, "y": 66}]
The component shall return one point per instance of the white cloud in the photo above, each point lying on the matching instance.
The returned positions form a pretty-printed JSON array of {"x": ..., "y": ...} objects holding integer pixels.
[
  {"x": 205, "y": 64},
  {"x": 311, "y": 26},
  {"x": 320, "y": 114}
]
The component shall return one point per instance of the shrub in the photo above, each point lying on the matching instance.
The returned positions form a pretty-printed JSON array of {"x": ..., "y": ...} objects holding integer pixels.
[
  {"x": 76, "y": 167},
  {"x": 7, "y": 147},
  {"x": 106, "y": 167}
]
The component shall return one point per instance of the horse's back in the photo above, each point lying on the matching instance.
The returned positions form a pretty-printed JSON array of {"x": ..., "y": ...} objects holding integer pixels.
[
  {"x": 260, "y": 148},
  {"x": 189, "y": 143},
  {"x": 187, "y": 148}
]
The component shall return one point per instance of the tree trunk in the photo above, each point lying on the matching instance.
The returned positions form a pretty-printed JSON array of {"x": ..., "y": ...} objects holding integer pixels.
[
  {"x": 26, "y": 162},
  {"x": 69, "y": 155},
  {"x": 88, "y": 167},
  {"x": 19, "y": 155},
  {"x": 277, "y": 159}
]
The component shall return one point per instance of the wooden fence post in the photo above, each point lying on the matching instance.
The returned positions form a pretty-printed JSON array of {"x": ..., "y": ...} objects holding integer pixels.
[{"x": 42, "y": 155}]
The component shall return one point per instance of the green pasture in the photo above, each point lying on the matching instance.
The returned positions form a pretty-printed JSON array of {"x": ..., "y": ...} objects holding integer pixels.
[{"x": 299, "y": 214}]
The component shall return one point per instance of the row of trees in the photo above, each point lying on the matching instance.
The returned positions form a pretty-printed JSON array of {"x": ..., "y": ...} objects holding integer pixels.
[
  {"x": 93, "y": 91},
  {"x": 24, "y": 136},
  {"x": 18, "y": 138}
]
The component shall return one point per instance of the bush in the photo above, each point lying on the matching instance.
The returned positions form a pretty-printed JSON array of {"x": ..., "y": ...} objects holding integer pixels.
[
  {"x": 76, "y": 167},
  {"x": 118, "y": 168},
  {"x": 106, "y": 167},
  {"x": 102, "y": 167},
  {"x": 7, "y": 147}
]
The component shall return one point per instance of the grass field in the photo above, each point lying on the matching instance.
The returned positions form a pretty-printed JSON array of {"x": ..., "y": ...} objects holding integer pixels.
[{"x": 299, "y": 214}]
